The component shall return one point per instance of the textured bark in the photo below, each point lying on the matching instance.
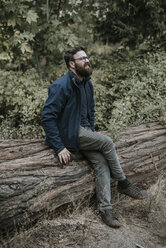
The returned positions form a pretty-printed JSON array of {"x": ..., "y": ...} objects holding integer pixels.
[
  {"x": 142, "y": 152},
  {"x": 33, "y": 182}
]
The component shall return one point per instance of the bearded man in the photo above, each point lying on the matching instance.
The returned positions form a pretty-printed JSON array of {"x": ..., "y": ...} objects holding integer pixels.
[{"x": 68, "y": 121}]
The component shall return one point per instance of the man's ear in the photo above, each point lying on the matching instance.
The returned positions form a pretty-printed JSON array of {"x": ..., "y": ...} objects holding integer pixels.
[{"x": 72, "y": 64}]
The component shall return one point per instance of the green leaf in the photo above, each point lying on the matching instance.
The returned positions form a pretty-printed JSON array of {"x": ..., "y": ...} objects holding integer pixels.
[
  {"x": 25, "y": 47},
  {"x": 4, "y": 56},
  {"x": 12, "y": 22},
  {"x": 31, "y": 16}
]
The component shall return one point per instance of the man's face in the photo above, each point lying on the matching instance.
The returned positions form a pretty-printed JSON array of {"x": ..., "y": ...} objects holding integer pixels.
[{"x": 82, "y": 64}]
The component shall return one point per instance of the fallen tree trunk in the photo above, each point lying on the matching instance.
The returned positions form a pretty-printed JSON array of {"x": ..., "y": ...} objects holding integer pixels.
[{"x": 33, "y": 182}]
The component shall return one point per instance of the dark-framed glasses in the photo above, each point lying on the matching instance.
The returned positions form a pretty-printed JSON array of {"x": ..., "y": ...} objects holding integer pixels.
[{"x": 84, "y": 58}]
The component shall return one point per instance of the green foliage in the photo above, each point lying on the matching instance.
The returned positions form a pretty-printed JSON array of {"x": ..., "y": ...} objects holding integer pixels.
[
  {"x": 130, "y": 22},
  {"x": 35, "y": 34},
  {"x": 129, "y": 86},
  {"x": 130, "y": 91},
  {"x": 22, "y": 96}
]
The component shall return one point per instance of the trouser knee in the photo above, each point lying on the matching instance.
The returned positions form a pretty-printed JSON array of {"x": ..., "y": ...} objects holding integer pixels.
[{"x": 108, "y": 143}]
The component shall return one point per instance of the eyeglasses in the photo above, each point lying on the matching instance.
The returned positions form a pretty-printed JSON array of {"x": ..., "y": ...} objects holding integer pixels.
[{"x": 84, "y": 58}]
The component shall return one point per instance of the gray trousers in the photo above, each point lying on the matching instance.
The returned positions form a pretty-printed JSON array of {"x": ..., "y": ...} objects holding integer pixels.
[{"x": 100, "y": 151}]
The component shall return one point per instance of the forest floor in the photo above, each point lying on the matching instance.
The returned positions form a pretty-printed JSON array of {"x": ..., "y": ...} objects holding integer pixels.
[{"x": 143, "y": 225}]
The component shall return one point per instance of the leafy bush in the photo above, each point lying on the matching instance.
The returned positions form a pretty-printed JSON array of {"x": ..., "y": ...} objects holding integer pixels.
[
  {"x": 35, "y": 34},
  {"x": 22, "y": 96},
  {"x": 130, "y": 22},
  {"x": 130, "y": 89}
]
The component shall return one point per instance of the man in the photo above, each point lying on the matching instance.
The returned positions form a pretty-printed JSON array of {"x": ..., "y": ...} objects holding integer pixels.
[{"x": 68, "y": 121}]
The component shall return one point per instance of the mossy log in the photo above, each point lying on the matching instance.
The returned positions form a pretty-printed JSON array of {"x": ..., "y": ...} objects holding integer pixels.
[{"x": 32, "y": 181}]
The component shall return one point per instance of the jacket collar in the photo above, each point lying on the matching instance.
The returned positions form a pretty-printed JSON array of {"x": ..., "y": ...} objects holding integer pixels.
[{"x": 76, "y": 80}]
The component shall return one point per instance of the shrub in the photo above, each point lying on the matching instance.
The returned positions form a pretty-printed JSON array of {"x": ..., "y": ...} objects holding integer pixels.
[
  {"x": 22, "y": 96},
  {"x": 130, "y": 22},
  {"x": 130, "y": 89}
]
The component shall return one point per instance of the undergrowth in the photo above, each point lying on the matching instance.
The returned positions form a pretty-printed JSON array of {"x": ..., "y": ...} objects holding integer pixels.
[{"x": 130, "y": 89}]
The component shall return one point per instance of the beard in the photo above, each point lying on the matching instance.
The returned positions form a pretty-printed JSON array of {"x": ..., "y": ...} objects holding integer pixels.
[{"x": 84, "y": 71}]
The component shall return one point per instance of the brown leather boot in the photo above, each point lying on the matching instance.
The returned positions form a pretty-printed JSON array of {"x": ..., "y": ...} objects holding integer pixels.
[{"x": 109, "y": 218}]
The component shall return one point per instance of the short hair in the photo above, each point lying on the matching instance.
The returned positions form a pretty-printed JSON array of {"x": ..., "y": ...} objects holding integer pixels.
[{"x": 70, "y": 53}]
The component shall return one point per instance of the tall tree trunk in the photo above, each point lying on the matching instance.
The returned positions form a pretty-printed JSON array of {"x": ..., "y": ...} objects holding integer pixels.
[{"x": 33, "y": 182}]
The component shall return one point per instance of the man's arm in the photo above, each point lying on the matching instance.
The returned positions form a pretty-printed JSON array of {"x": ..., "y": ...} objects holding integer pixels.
[
  {"x": 64, "y": 156},
  {"x": 51, "y": 113}
]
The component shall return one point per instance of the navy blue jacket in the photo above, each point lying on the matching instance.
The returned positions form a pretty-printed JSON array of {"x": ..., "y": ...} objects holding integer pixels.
[{"x": 61, "y": 114}]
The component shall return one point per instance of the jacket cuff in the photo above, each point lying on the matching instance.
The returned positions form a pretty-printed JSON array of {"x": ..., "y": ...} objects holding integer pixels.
[{"x": 59, "y": 150}]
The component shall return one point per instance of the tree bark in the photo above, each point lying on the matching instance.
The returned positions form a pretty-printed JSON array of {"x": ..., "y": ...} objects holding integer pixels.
[
  {"x": 32, "y": 182},
  {"x": 142, "y": 152}
]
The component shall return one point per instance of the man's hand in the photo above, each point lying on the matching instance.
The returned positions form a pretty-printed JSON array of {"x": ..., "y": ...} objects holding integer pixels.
[{"x": 64, "y": 156}]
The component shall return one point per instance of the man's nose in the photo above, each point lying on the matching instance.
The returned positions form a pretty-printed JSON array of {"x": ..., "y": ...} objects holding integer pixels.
[{"x": 86, "y": 59}]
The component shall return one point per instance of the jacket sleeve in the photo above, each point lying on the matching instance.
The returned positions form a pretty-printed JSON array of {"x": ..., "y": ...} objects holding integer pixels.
[
  {"x": 92, "y": 109},
  {"x": 51, "y": 114}
]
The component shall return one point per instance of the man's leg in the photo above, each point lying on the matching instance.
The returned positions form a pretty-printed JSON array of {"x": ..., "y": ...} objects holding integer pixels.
[
  {"x": 93, "y": 141},
  {"x": 92, "y": 146},
  {"x": 103, "y": 190},
  {"x": 102, "y": 178}
]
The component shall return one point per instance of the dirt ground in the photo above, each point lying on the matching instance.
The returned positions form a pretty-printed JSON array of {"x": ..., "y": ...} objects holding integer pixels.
[{"x": 143, "y": 226}]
